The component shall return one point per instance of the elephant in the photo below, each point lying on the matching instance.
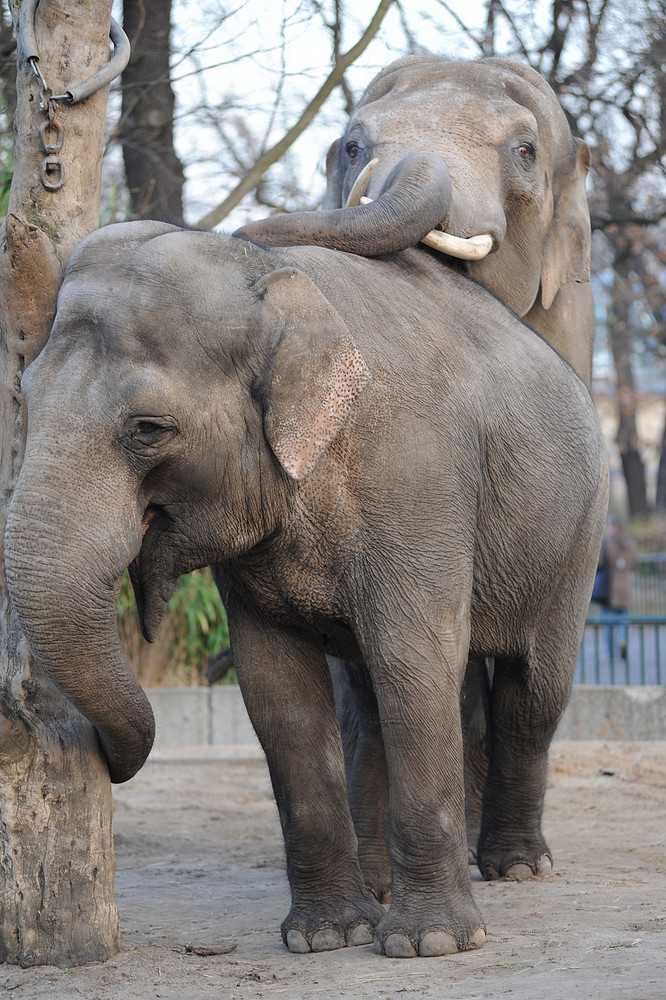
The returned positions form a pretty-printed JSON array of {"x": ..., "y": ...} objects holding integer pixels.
[
  {"x": 515, "y": 173},
  {"x": 203, "y": 400}
]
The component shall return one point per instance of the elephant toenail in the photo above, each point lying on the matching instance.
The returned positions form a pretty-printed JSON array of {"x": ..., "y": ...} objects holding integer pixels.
[
  {"x": 437, "y": 943},
  {"x": 327, "y": 939},
  {"x": 399, "y": 946},
  {"x": 477, "y": 940},
  {"x": 297, "y": 943},
  {"x": 359, "y": 935},
  {"x": 519, "y": 872}
]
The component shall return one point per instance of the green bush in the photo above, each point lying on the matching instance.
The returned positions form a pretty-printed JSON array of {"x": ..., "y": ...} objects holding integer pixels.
[{"x": 193, "y": 630}]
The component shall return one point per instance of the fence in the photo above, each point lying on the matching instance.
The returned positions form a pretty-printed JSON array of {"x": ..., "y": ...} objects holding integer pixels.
[
  {"x": 648, "y": 592},
  {"x": 631, "y": 648}
]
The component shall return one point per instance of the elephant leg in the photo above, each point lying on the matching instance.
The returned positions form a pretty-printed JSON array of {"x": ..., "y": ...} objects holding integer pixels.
[
  {"x": 432, "y": 911},
  {"x": 287, "y": 689},
  {"x": 526, "y": 704},
  {"x": 475, "y": 711},
  {"x": 365, "y": 764}
]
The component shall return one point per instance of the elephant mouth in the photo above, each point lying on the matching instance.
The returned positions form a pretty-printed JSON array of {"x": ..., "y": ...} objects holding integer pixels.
[
  {"x": 151, "y": 589},
  {"x": 470, "y": 248}
]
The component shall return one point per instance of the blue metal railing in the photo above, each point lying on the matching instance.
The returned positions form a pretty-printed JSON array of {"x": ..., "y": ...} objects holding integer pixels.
[
  {"x": 623, "y": 649},
  {"x": 631, "y": 648},
  {"x": 648, "y": 590}
]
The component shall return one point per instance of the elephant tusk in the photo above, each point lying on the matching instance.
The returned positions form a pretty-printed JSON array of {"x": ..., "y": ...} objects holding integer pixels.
[
  {"x": 474, "y": 248},
  {"x": 360, "y": 184}
]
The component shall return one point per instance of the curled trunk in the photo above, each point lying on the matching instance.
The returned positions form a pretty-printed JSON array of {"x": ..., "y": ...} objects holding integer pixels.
[
  {"x": 415, "y": 200},
  {"x": 65, "y": 599}
]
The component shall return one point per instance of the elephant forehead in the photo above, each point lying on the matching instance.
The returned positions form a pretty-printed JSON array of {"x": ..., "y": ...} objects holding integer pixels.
[
  {"x": 116, "y": 324},
  {"x": 445, "y": 108},
  {"x": 492, "y": 90},
  {"x": 98, "y": 299},
  {"x": 114, "y": 313},
  {"x": 106, "y": 335}
]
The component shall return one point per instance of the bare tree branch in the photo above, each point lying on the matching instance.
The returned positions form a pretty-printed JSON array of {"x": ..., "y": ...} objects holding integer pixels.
[
  {"x": 252, "y": 178},
  {"x": 461, "y": 24}
]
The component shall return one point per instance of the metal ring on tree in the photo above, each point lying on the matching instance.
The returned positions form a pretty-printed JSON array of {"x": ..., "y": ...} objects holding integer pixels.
[{"x": 101, "y": 78}]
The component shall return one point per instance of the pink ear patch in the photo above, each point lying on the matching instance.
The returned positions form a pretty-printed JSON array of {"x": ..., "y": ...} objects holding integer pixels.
[
  {"x": 317, "y": 372},
  {"x": 302, "y": 437}
]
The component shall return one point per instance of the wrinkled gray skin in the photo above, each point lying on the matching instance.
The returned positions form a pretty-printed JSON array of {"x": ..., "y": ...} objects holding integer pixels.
[
  {"x": 202, "y": 400},
  {"x": 517, "y": 173}
]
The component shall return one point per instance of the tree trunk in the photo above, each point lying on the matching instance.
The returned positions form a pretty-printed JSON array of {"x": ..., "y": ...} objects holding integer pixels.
[
  {"x": 57, "y": 866},
  {"x": 660, "y": 499},
  {"x": 627, "y": 434},
  {"x": 153, "y": 171},
  {"x": 7, "y": 67}
]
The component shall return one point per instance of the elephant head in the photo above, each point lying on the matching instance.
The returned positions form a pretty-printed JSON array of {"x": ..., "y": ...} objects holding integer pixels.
[
  {"x": 154, "y": 423},
  {"x": 516, "y": 174}
]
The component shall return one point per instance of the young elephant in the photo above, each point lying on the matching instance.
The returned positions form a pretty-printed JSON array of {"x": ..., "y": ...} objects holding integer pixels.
[{"x": 352, "y": 469}]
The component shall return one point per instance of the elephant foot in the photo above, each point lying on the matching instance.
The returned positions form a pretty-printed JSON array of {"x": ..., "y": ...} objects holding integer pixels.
[
  {"x": 347, "y": 925},
  {"x": 472, "y": 844},
  {"x": 506, "y": 856},
  {"x": 516, "y": 866},
  {"x": 379, "y": 884},
  {"x": 381, "y": 892},
  {"x": 399, "y": 937}
]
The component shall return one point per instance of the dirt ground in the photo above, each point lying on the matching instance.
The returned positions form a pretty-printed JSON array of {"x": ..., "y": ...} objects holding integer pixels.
[{"x": 201, "y": 892}]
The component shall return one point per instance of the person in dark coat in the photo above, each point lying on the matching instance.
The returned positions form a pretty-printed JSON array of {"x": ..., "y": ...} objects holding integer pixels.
[{"x": 619, "y": 556}]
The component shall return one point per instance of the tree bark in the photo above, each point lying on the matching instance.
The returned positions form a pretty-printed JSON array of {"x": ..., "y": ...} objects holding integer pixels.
[
  {"x": 660, "y": 499},
  {"x": 57, "y": 866},
  {"x": 627, "y": 434},
  {"x": 154, "y": 173}
]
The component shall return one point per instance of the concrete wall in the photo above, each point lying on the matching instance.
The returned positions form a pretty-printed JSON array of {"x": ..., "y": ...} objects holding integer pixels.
[{"x": 216, "y": 716}]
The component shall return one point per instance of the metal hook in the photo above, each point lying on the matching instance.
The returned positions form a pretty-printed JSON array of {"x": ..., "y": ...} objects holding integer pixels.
[
  {"x": 101, "y": 78},
  {"x": 56, "y": 145}
]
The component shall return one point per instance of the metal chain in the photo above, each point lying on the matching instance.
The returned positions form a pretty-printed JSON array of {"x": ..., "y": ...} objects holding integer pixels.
[
  {"x": 52, "y": 169},
  {"x": 51, "y": 133}
]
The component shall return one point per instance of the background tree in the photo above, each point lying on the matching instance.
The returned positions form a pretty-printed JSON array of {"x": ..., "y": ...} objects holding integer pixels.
[
  {"x": 7, "y": 105},
  {"x": 617, "y": 99},
  {"x": 153, "y": 171},
  {"x": 57, "y": 866}
]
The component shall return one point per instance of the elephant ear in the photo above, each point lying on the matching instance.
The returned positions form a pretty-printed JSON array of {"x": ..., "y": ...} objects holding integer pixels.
[
  {"x": 316, "y": 371},
  {"x": 566, "y": 255},
  {"x": 333, "y": 196}
]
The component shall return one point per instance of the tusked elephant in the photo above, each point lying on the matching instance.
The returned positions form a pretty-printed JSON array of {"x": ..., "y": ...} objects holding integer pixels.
[
  {"x": 203, "y": 400},
  {"x": 514, "y": 173}
]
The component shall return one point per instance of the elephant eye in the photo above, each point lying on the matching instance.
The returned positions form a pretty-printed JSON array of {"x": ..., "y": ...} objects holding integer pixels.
[
  {"x": 352, "y": 150},
  {"x": 143, "y": 434},
  {"x": 526, "y": 153}
]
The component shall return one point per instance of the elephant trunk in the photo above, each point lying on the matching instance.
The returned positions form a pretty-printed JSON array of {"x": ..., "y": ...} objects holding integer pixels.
[
  {"x": 415, "y": 200},
  {"x": 63, "y": 585}
]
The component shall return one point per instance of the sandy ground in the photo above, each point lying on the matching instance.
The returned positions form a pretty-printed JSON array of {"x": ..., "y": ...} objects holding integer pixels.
[{"x": 201, "y": 892}]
